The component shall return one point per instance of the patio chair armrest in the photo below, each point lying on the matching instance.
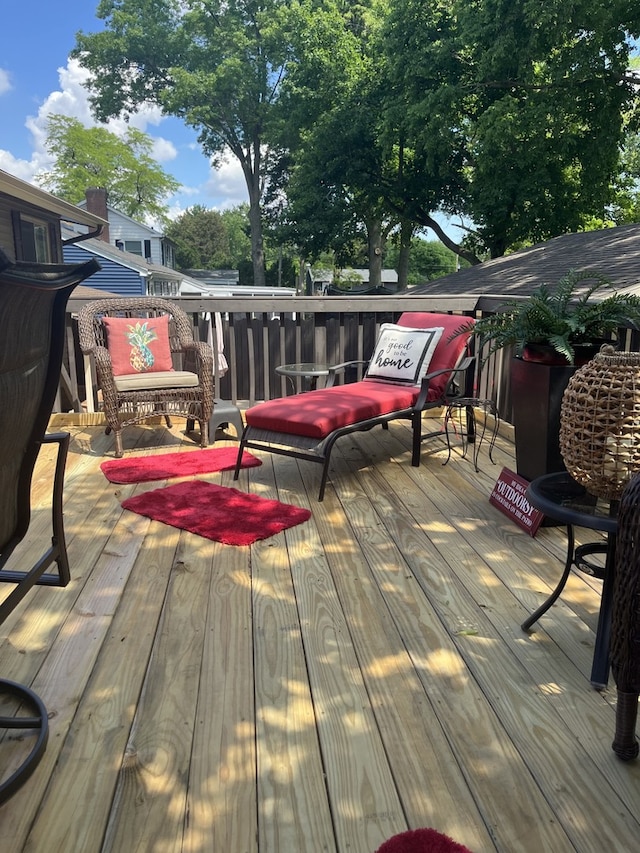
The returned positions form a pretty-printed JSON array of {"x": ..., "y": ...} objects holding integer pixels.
[
  {"x": 334, "y": 369},
  {"x": 104, "y": 367},
  {"x": 421, "y": 402}
]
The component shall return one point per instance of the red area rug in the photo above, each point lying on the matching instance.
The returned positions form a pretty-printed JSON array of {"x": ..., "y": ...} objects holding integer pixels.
[
  {"x": 217, "y": 512},
  {"x": 422, "y": 841},
  {"x": 143, "y": 469}
]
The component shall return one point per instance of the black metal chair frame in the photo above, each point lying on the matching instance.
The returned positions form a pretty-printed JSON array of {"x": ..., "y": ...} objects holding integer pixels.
[{"x": 35, "y": 342}]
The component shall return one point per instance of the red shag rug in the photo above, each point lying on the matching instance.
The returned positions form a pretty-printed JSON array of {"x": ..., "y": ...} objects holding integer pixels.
[
  {"x": 217, "y": 512},
  {"x": 143, "y": 469},
  {"x": 422, "y": 841}
]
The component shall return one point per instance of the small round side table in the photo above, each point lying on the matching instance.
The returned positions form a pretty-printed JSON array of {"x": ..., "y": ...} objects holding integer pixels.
[
  {"x": 559, "y": 497},
  {"x": 307, "y": 370}
]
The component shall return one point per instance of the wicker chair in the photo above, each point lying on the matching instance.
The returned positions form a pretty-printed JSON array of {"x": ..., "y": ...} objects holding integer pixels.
[
  {"x": 186, "y": 391},
  {"x": 33, "y": 300},
  {"x": 625, "y": 622}
]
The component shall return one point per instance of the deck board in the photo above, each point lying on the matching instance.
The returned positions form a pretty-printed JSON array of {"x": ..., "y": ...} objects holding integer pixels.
[{"x": 352, "y": 677}]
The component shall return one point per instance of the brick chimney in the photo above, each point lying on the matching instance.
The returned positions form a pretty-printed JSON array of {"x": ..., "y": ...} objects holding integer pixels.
[{"x": 97, "y": 203}]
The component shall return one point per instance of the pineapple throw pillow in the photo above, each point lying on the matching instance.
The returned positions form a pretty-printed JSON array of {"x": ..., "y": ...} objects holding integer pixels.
[{"x": 138, "y": 344}]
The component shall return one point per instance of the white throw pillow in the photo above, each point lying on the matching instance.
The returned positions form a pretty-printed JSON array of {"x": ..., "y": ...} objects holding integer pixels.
[{"x": 402, "y": 355}]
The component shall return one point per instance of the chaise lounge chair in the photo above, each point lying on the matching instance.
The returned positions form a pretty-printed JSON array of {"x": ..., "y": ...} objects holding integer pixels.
[{"x": 415, "y": 366}]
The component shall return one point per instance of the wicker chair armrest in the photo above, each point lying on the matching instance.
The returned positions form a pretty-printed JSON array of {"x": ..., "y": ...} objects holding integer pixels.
[
  {"x": 104, "y": 367},
  {"x": 203, "y": 355},
  {"x": 86, "y": 337}
]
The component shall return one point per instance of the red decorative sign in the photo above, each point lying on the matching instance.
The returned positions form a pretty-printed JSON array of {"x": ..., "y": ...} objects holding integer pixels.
[{"x": 509, "y": 496}]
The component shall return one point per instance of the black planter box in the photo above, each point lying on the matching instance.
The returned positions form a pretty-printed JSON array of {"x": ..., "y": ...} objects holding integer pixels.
[{"x": 536, "y": 396}]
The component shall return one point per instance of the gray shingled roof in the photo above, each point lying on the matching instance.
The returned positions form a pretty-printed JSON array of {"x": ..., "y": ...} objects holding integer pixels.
[{"x": 615, "y": 252}]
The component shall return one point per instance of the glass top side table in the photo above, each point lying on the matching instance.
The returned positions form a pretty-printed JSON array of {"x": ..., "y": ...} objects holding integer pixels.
[{"x": 307, "y": 370}]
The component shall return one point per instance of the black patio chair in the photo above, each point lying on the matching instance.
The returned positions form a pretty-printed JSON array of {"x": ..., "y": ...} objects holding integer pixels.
[
  {"x": 625, "y": 622},
  {"x": 33, "y": 299}
]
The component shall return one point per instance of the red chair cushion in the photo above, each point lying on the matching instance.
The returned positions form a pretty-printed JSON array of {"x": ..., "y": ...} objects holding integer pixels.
[
  {"x": 447, "y": 353},
  {"x": 318, "y": 413}
]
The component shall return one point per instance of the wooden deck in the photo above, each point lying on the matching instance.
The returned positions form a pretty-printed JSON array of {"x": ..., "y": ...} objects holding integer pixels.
[{"x": 324, "y": 689}]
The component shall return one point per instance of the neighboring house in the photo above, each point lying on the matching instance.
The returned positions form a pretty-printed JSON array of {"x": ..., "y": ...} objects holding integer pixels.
[
  {"x": 209, "y": 278},
  {"x": 31, "y": 221},
  {"x": 138, "y": 260},
  {"x": 355, "y": 282},
  {"x": 195, "y": 287},
  {"x": 128, "y": 235},
  {"x": 125, "y": 273}
]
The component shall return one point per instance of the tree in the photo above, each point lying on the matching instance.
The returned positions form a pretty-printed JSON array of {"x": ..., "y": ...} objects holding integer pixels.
[
  {"x": 520, "y": 104},
  {"x": 236, "y": 223},
  {"x": 428, "y": 260},
  {"x": 217, "y": 64},
  {"x": 201, "y": 239},
  {"x": 333, "y": 176},
  {"x": 95, "y": 157}
]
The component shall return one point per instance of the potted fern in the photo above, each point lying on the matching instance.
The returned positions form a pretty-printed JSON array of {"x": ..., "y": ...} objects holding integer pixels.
[
  {"x": 552, "y": 331},
  {"x": 554, "y": 325}
]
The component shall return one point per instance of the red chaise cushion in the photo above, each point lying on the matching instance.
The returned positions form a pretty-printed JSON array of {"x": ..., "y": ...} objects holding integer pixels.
[
  {"x": 318, "y": 413},
  {"x": 447, "y": 352}
]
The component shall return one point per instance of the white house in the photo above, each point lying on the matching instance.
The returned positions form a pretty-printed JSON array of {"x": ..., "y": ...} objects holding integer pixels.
[{"x": 128, "y": 235}]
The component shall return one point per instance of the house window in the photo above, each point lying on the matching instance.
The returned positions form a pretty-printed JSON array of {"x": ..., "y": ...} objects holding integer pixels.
[
  {"x": 35, "y": 239},
  {"x": 168, "y": 256},
  {"x": 133, "y": 246},
  {"x": 162, "y": 287}
]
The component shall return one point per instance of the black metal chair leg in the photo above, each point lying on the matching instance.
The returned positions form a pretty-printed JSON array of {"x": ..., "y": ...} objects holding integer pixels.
[
  {"x": 600, "y": 666},
  {"x": 38, "y": 723}
]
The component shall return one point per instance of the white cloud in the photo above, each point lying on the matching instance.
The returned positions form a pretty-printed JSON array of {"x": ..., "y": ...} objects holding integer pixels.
[
  {"x": 20, "y": 168},
  {"x": 163, "y": 150},
  {"x": 5, "y": 82},
  {"x": 227, "y": 183},
  {"x": 72, "y": 100},
  {"x": 221, "y": 189}
]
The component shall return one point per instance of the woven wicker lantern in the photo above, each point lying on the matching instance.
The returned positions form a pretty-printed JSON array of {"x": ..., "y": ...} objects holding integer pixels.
[{"x": 600, "y": 423}]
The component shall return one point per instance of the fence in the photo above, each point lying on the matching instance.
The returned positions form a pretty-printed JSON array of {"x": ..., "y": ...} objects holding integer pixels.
[{"x": 261, "y": 333}]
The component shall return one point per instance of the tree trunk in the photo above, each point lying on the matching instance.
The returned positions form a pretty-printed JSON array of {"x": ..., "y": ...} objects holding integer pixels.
[
  {"x": 251, "y": 163},
  {"x": 406, "y": 233},
  {"x": 374, "y": 233},
  {"x": 257, "y": 247}
]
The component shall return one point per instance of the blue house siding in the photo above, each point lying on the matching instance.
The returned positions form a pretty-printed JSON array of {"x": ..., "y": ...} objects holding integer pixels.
[{"x": 111, "y": 277}]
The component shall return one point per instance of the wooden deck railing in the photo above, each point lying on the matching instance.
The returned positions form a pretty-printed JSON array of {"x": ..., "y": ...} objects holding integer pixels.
[{"x": 262, "y": 333}]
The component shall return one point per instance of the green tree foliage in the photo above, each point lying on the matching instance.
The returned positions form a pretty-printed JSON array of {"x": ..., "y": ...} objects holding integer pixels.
[
  {"x": 379, "y": 113},
  {"x": 87, "y": 157},
  {"x": 428, "y": 259},
  {"x": 519, "y": 103},
  {"x": 625, "y": 208},
  {"x": 334, "y": 177},
  {"x": 217, "y": 64},
  {"x": 201, "y": 239},
  {"x": 236, "y": 223}
]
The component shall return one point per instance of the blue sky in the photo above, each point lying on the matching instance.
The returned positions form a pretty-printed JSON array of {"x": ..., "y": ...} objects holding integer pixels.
[{"x": 37, "y": 79}]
